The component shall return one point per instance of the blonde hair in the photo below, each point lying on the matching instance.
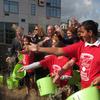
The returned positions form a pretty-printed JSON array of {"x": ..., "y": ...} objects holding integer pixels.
[
  {"x": 55, "y": 37},
  {"x": 14, "y": 27},
  {"x": 20, "y": 29},
  {"x": 17, "y": 28}
]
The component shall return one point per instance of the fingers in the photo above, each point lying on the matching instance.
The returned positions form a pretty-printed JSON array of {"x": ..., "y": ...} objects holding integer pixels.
[
  {"x": 32, "y": 44},
  {"x": 47, "y": 38},
  {"x": 96, "y": 81},
  {"x": 21, "y": 69},
  {"x": 56, "y": 78},
  {"x": 7, "y": 59},
  {"x": 53, "y": 75}
]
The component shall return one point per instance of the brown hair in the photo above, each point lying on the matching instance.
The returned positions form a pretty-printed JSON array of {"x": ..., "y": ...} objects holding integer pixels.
[
  {"x": 40, "y": 30},
  {"x": 72, "y": 30},
  {"x": 27, "y": 37}
]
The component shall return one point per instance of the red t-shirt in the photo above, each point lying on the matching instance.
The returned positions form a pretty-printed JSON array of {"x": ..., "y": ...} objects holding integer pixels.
[
  {"x": 28, "y": 58},
  {"x": 54, "y": 63},
  {"x": 88, "y": 59}
]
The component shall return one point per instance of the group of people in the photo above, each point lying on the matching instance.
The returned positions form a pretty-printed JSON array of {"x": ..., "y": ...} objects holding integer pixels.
[
  {"x": 86, "y": 52},
  {"x": 58, "y": 51}
]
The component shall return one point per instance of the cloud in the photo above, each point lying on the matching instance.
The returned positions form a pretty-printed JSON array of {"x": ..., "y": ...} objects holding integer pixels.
[
  {"x": 88, "y": 2},
  {"x": 82, "y": 9}
]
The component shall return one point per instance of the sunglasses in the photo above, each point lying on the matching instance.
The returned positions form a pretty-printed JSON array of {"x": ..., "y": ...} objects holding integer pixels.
[{"x": 36, "y": 29}]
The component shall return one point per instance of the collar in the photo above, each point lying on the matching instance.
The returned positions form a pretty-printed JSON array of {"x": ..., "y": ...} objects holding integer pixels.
[{"x": 97, "y": 43}]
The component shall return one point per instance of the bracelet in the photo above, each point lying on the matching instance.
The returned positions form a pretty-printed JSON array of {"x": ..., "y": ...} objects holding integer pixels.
[{"x": 61, "y": 71}]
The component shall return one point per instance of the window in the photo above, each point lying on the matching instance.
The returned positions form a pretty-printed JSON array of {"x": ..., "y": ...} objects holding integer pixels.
[
  {"x": 11, "y": 6},
  {"x": 33, "y": 9},
  {"x": 6, "y": 6},
  {"x": 6, "y": 33},
  {"x": 9, "y": 33},
  {"x": 1, "y": 32},
  {"x": 53, "y": 8}
]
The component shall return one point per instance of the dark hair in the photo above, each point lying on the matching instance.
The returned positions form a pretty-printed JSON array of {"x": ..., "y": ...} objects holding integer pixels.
[
  {"x": 58, "y": 39},
  {"x": 28, "y": 38},
  {"x": 90, "y": 25},
  {"x": 72, "y": 30}
]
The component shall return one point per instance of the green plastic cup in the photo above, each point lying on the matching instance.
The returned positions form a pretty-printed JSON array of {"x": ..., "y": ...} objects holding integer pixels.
[
  {"x": 16, "y": 74},
  {"x": 1, "y": 79},
  {"x": 12, "y": 83},
  {"x": 20, "y": 57},
  {"x": 90, "y": 93},
  {"x": 46, "y": 86}
]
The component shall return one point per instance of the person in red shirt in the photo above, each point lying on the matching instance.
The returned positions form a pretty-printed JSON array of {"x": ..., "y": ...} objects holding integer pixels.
[
  {"x": 28, "y": 58},
  {"x": 54, "y": 64},
  {"x": 87, "y": 52}
]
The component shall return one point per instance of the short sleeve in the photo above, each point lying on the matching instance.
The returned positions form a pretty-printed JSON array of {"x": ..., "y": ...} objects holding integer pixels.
[
  {"x": 47, "y": 61},
  {"x": 71, "y": 50}
]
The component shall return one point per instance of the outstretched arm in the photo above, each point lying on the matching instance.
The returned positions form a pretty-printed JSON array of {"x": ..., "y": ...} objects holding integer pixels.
[
  {"x": 67, "y": 66},
  {"x": 31, "y": 66},
  {"x": 42, "y": 42},
  {"x": 51, "y": 50}
]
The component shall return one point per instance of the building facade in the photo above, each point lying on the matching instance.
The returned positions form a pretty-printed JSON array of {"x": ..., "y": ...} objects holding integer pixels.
[{"x": 27, "y": 13}]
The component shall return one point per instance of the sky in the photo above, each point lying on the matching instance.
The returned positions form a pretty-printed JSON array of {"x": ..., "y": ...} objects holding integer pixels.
[{"x": 81, "y": 9}]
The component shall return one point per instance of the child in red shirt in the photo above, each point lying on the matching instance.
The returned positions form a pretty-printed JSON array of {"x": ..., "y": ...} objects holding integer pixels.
[
  {"x": 54, "y": 64},
  {"x": 28, "y": 58}
]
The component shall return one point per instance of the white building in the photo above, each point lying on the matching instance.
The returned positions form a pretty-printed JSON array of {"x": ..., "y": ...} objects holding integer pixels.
[{"x": 27, "y": 13}]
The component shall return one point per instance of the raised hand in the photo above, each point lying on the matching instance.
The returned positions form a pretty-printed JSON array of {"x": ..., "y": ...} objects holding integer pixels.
[
  {"x": 46, "y": 38},
  {"x": 21, "y": 69}
]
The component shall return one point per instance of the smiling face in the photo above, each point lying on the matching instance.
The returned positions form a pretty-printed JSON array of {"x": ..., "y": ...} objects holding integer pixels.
[
  {"x": 89, "y": 31},
  {"x": 86, "y": 35},
  {"x": 69, "y": 34},
  {"x": 50, "y": 30},
  {"x": 26, "y": 42}
]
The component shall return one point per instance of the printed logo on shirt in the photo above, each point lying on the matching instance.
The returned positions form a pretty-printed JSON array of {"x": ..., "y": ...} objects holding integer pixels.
[
  {"x": 85, "y": 65},
  {"x": 56, "y": 68}
]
